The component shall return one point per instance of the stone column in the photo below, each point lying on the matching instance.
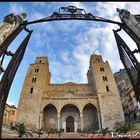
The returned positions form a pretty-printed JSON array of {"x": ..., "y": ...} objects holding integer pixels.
[
  {"x": 40, "y": 120},
  {"x": 81, "y": 118},
  {"x": 99, "y": 120},
  {"x": 58, "y": 121}
]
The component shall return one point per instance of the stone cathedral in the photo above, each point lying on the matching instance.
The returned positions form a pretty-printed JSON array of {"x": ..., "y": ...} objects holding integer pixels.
[{"x": 70, "y": 106}]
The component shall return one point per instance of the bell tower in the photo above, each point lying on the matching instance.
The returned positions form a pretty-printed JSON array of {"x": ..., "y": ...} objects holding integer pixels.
[
  {"x": 100, "y": 76},
  {"x": 38, "y": 76}
]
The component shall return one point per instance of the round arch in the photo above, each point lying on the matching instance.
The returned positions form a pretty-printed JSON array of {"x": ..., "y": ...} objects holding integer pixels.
[
  {"x": 95, "y": 105},
  {"x": 70, "y": 103},
  {"x": 50, "y": 103},
  {"x": 49, "y": 118},
  {"x": 90, "y": 117},
  {"x": 70, "y": 111}
]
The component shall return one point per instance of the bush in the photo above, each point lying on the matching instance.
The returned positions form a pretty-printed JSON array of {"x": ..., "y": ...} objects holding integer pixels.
[
  {"x": 39, "y": 132},
  {"x": 123, "y": 128},
  {"x": 78, "y": 130},
  {"x": 20, "y": 128},
  {"x": 135, "y": 127},
  {"x": 104, "y": 131},
  {"x": 52, "y": 131}
]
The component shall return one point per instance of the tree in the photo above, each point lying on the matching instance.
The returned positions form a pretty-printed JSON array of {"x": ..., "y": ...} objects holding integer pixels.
[{"x": 20, "y": 128}]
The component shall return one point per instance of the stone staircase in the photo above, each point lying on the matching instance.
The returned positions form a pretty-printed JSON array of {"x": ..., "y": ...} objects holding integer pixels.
[{"x": 72, "y": 135}]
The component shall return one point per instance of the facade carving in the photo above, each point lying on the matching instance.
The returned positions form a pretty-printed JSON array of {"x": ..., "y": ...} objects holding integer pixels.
[{"x": 70, "y": 106}]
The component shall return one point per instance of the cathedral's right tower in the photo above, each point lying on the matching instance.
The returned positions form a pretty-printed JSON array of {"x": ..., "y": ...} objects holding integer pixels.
[{"x": 101, "y": 78}]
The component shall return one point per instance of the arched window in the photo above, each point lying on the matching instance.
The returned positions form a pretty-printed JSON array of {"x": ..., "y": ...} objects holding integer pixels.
[
  {"x": 107, "y": 88},
  {"x": 101, "y": 69},
  {"x": 37, "y": 69},
  {"x": 34, "y": 80},
  {"x": 104, "y": 78},
  {"x": 31, "y": 91}
]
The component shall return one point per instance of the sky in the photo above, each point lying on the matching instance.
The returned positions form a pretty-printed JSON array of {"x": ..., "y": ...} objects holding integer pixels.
[{"x": 67, "y": 44}]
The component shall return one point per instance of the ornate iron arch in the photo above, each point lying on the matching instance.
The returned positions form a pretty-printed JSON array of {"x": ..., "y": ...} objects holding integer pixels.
[{"x": 65, "y": 13}]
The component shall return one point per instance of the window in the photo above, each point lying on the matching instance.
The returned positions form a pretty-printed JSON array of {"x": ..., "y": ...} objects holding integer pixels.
[
  {"x": 104, "y": 78},
  {"x": 33, "y": 80},
  {"x": 97, "y": 60},
  {"x": 40, "y": 61},
  {"x": 13, "y": 112},
  {"x": 107, "y": 88},
  {"x": 101, "y": 69},
  {"x": 36, "y": 69},
  {"x": 31, "y": 91}
]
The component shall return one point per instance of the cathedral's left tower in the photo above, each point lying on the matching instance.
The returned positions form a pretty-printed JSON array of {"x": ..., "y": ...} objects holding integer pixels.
[{"x": 38, "y": 76}]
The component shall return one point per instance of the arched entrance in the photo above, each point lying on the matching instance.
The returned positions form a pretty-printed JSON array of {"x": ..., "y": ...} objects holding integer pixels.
[
  {"x": 70, "y": 118},
  {"x": 90, "y": 117},
  {"x": 49, "y": 120},
  {"x": 69, "y": 124}
]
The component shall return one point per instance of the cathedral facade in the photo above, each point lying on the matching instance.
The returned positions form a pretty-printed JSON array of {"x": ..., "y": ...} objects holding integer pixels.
[{"x": 70, "y": 106}]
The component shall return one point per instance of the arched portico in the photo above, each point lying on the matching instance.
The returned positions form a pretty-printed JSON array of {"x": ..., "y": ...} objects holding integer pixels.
[
  {"x": 90, "y": 117},
  {"x": 49, "y": 118},
  {"x": 70, "y": 118}
]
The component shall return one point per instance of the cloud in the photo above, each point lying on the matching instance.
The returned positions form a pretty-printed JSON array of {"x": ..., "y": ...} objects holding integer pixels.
[
  {"x": 94, "y": 39},
  {"x": 108, "y": 9},
  {"x": 41, "y": 40},
  {"x": 9, "y": 103},
  {"x": 133, "y": 7},
  {"x": 99, "y": 41},
  {"x": 85, "y": 38},
  {"x": 62, "y": 73},
  {"x": 16, "y": 8},
  {"x": 39, "y": 4}
]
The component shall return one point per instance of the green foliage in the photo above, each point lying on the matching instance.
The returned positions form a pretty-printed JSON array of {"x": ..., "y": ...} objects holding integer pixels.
[
  {"x": 85, "y": 130},
  {"x": 123, "y": 128},
  {"x": 93, "y": 131},
  {"x": 52, "y": 131},
  {"x": 136, "y": 127},
  {"x": 39, "y": 132},
  {"x": 79, "y": 130},
  {"x": 20, "y": 128},
  {"x": 104, "y": 131},
  {"x": 59, "y": 132}
]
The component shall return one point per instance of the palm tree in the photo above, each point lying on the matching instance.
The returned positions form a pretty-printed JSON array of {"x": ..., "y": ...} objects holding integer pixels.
[{"x": 20, "y": 128}]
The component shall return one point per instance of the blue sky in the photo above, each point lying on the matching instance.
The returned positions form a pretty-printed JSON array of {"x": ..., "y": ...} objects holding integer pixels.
[{"x": 68, "y": 44}]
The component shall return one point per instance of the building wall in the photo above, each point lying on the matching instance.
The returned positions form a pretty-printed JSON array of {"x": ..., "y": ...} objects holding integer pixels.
[
  {"x": 106, "y": 103},
  {"x": 109, "y": 100},
  {"x": 10, "y": 114},
  {"x": 127, "y": 95},
  {"x": 32, "y": 91}
]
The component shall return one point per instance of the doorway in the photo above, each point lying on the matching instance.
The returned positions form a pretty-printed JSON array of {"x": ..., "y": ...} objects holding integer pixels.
[{"x": 69, "y": 124}]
